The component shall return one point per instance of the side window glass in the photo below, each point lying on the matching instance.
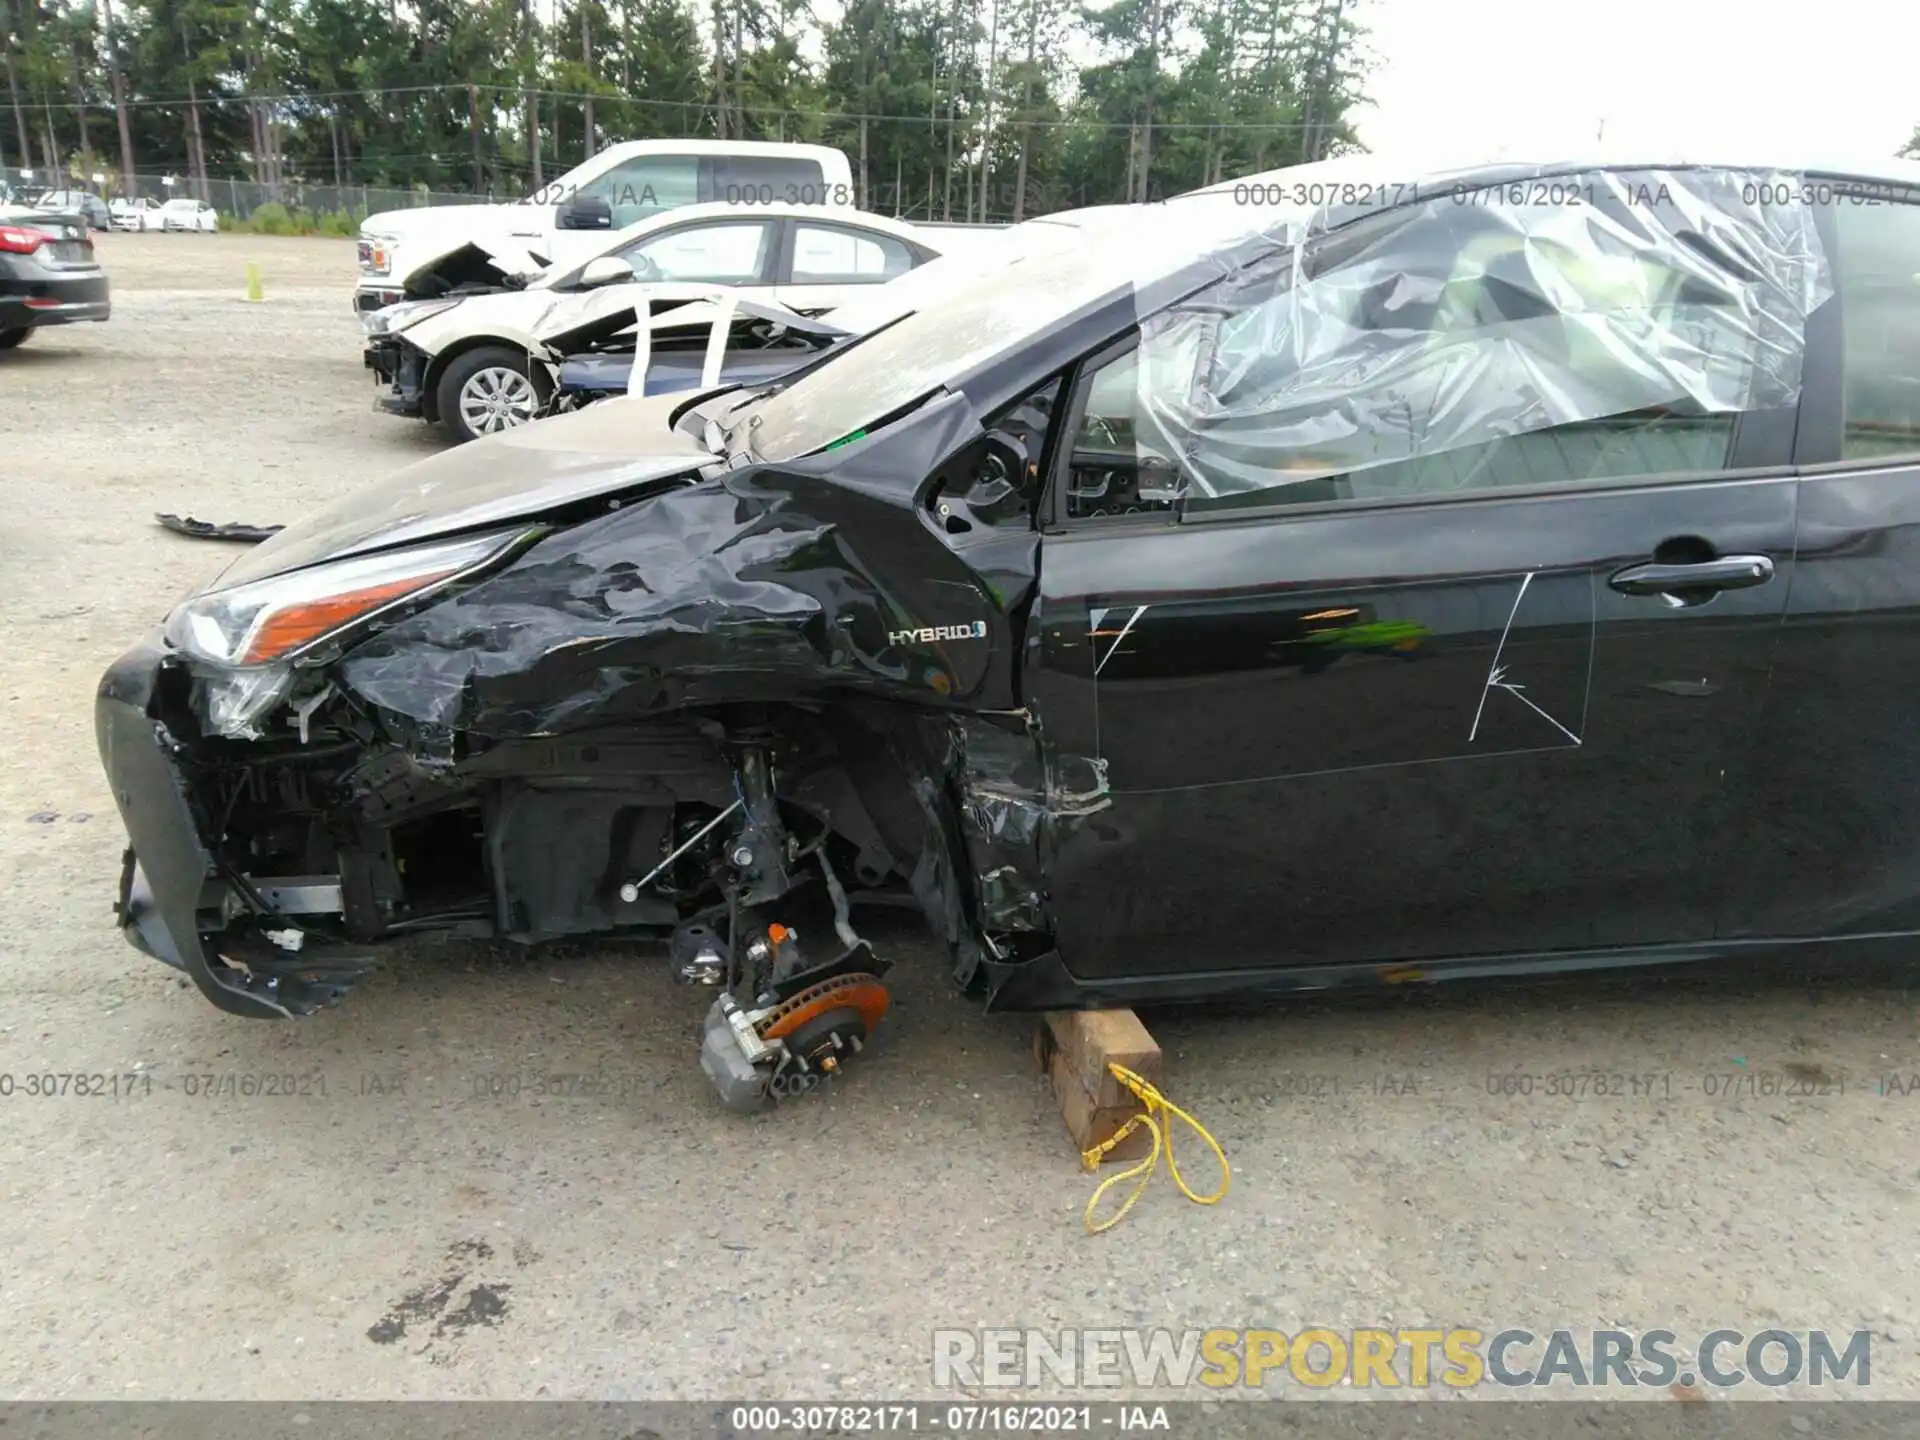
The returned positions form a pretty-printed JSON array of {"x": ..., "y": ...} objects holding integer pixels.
[
  {"x": 1111, "y": 467},
  {"x": 638, "y": 188},
  {"x": 1879, "y": 287},
  {"x": 833, "y": 255},
  {"x": 771, "y": 179},
  {"x": 733, "y": 253},
  {"x": 1595, "y": 329}
]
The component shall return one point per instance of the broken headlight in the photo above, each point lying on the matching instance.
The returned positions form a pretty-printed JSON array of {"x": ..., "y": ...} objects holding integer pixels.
[
  {"x": 275, "y": 620},
  {"x": 408, "y": 312}
]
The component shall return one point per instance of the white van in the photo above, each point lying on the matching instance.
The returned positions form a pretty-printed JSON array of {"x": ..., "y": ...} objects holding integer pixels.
[{"x": 568, "y": 219}]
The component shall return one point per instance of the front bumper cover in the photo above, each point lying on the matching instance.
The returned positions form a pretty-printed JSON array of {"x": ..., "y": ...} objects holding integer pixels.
[
  {"x": 401, "y": 369},
  {"x": 169, "y": 880}
]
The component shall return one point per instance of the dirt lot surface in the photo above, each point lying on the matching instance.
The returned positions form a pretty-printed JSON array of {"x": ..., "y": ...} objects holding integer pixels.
[{"x": 414, "y": 1219}]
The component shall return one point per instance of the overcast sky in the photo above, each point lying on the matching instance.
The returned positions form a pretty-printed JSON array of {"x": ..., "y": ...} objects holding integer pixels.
[{"x": 1458, "y": 79}]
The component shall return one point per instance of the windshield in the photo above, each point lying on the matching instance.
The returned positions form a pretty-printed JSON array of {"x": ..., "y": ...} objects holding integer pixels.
[{"x": 986, "y": 315}]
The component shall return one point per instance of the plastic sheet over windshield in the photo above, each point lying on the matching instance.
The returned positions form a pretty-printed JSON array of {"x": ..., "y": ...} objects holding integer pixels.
[
  {"x": 1477, "y": 316},
  {"x": 984, "y": 316}
]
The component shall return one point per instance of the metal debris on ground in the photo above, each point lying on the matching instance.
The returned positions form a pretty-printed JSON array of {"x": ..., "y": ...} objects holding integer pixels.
[{"x": 207, "y": 530}]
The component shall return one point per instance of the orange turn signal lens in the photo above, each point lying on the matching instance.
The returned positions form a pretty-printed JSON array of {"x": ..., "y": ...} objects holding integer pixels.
[
  {"x": 295, "y": 625},
  {"x": 273, "y": 619}
]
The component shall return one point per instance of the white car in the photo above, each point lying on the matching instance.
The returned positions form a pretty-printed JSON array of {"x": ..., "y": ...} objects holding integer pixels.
[
  {"x": 567, "y": 220},
  {"x": 192, "y": 215},
  {"x": 136, "y": 214},
  {"x": 478, "y": 362}
]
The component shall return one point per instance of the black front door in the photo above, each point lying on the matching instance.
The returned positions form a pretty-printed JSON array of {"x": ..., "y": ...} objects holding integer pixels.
[
  {"x": 1417, "y": 589},
  {"x": 1392, "y": 735}
]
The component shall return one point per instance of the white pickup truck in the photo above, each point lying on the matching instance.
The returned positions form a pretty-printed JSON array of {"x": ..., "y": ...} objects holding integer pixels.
[{"x": 569, "y": 219}]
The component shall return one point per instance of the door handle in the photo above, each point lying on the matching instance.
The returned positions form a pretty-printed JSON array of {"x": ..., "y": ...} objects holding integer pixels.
[{"x": 1705, "y": 578}]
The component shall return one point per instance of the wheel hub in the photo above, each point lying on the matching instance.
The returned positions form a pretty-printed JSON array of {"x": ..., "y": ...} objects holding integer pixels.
[{"x": 497, "y": 398}]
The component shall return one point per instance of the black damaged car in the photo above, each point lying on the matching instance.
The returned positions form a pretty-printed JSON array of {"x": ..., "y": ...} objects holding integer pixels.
[{"x": 1338, "y": 575}]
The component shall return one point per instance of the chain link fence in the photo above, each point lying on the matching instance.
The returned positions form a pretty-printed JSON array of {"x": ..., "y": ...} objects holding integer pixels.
[
  {"x": 238, "y": 200},
  {"x": 341, "y": 208}
]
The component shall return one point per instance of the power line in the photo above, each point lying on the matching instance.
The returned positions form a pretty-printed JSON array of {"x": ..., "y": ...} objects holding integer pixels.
[{"x": 514, "y": 94}]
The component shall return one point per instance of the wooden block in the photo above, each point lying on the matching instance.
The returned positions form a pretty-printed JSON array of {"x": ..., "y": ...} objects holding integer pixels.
[
  {"x": 1090, "y": 1040},
  {"x": 1089, "y": 1124}
]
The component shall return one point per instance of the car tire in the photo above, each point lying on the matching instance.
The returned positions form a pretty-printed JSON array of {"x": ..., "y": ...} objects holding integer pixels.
[
  {"x": 11, "y": 339},
  {"x": 486, "y": 390}
]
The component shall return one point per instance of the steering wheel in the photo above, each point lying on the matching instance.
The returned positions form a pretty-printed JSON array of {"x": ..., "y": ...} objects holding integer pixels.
[{"x": 645, "y": 268}]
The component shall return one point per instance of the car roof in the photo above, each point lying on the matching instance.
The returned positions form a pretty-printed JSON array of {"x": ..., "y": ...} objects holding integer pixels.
[
  {"x": 1406, "y": 173},
  {"x": 718, "y": 147},
  {"x": 780, "y": 210},
  {"x": 1338, "y": 191},
  {"x": 720, "y": 210}
]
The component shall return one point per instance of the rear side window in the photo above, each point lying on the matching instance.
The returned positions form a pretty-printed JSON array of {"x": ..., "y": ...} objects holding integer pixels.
[
  {"x": 768, "y": 180},
  {"x": 839, "y": 255},
  {"x": 1879, "y": 287}
]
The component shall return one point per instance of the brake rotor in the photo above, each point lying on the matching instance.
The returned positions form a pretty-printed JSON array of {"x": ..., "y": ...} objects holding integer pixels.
[{"x": 858, "y": 992}]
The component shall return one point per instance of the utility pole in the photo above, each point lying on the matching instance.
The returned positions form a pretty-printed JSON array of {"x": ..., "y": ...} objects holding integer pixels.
[
  {"x": 80, "y": 109},
  {"x": 1155, "y": 21},
  {"x": 473, "y": 132},
  {"x": 119, "y": 96},
  {"x": 986, "y": 130},
  {"x": 19, "y": 114},
  {"x": 529, "y": 98},
  {"x": 586, "y": 59}
]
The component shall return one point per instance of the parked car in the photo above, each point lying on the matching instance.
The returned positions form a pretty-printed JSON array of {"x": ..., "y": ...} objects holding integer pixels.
[
  {"x": 91, "y": 208},
  {"x": 194, "y": 216},
  {"x": 477, "y": 362},
  {"x": 597, "y": 362},
  {"x": 138, "y": 213},
  {"x": 565, "y": 221},
  {"x": 1351, "y": 574},
  {"x": 48, "y": 274}
]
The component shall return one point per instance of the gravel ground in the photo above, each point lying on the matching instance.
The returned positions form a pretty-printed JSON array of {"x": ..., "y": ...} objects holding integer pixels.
[{"x": 412, "y": 1233}]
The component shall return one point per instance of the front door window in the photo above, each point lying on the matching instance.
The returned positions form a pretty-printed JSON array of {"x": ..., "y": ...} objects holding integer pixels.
[{"x": 733, "y": 252}]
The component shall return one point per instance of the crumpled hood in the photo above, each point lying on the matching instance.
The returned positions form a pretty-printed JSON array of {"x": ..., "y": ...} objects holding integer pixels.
[
  {"x": 425, "y": 268},
  {"x": 495, "y": 480}
]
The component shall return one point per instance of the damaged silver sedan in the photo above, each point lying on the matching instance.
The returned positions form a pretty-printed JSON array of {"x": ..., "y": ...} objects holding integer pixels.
[{"x": 1260, "y": 595}]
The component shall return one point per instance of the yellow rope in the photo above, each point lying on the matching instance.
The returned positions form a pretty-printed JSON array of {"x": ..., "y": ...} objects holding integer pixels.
[{"x": 1158, "y": 1117}]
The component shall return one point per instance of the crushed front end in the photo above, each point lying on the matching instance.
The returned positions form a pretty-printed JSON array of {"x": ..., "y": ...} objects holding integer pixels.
[
  {"x": 608, "y": 696},
  {"x": 274, "y": 870}
]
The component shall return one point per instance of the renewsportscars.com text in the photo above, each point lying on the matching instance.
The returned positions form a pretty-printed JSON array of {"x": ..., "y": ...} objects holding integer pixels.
[{"x": 1454, "y": 1358}]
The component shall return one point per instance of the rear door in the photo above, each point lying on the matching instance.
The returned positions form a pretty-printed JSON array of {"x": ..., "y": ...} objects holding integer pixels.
[
  {"x": 1382, "y": 673},
  {"x": 1837, "y": 850}
]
